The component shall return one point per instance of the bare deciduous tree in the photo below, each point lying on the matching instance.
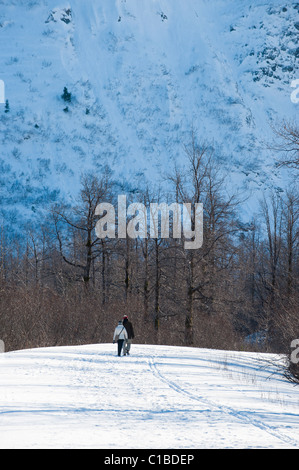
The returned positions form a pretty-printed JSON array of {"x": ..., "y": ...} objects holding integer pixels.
[
  {"x": 80, "y": 222},
  {"x": 287, "y": 144}
]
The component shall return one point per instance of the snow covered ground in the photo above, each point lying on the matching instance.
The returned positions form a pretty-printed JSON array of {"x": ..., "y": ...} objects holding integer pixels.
[{"x": 160, "y": 397}]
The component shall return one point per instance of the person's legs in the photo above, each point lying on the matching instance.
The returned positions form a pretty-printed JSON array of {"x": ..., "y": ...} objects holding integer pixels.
[
  {"x": 128, "y": 346},
  {"x": 120, "y": 345}
]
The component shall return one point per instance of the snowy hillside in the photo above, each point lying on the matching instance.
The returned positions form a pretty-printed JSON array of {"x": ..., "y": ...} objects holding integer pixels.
[
  {"x": 159, "y": 397},
  {"x": 141, "y": 74}
]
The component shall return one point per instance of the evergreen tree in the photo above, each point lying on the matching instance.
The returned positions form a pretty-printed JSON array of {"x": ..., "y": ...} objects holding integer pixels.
[
  {"x": 6, "y": 108},
  {"x": 66, "y": 96}
]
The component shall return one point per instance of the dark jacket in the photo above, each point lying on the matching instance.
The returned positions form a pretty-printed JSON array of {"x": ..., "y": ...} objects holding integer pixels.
[{"x": 129, "y": 327}]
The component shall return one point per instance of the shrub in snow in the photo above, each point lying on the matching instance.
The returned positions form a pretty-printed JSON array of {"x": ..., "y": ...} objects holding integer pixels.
[{"x": 66, "y": 96}]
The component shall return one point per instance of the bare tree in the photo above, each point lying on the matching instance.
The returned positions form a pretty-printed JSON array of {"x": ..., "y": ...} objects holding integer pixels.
[
  {"x": 291, "y": 220},
  {"x": 203, "y": 183},
  {"x": 287, "y": 144},
  {"x": 80, "y": 221}
]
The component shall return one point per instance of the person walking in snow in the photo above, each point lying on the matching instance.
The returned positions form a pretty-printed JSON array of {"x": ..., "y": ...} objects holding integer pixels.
[
  {"x": 120, "y": 335},
  {"x": 130, "y": 331}
]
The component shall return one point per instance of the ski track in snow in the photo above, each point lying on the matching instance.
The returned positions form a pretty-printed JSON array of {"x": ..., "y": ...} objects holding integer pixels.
[{"x": 245, "y": 417}]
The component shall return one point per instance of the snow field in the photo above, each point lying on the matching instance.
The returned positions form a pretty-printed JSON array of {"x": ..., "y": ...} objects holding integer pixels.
[{"x": 160, "y": 397}]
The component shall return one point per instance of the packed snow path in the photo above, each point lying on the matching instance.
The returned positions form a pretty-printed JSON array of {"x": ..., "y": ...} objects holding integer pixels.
[{"x": 159, "y": 397}]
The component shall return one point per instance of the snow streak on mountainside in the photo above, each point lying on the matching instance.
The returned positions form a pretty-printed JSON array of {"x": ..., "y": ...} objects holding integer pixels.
[{"x": 142, "y": 73}]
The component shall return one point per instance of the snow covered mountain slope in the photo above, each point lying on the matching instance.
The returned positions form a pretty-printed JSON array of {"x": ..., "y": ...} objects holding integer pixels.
[
  {"x": 158, "y": 397},
  {"x": 142, "y": 73}
]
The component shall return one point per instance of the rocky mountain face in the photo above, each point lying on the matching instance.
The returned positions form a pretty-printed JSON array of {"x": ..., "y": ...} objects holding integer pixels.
[{"x": 124, "y": 82}]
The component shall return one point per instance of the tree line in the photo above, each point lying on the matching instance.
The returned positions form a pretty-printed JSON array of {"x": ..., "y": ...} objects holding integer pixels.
[{"x": 64, "y": 285}]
